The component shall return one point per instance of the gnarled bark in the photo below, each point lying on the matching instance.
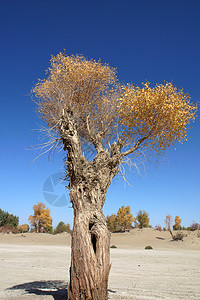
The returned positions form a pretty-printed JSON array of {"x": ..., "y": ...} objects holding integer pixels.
[
  {"x": 89, "y": 182},
  {"x": 90, "y": 257}
]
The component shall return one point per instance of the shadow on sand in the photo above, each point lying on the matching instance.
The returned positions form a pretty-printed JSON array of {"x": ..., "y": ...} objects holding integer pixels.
[{"x": 55, "y": 288}]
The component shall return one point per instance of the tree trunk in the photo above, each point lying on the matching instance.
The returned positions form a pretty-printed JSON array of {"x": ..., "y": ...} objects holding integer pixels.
[
  {"x": 89, "y": 182},
  {"x": 90, "y": 257}
]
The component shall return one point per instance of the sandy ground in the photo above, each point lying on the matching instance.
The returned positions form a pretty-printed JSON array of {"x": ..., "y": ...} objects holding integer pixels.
[{"x": 36, "y": 266}]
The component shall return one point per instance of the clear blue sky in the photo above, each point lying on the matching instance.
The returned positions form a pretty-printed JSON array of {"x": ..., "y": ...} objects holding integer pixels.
[{"x": 145, "y": 40}]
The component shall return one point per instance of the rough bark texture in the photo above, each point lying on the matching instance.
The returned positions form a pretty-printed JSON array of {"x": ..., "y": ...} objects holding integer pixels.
[
  {"x": 90, "y": 262},
  {"x": 89, "y": 182}
]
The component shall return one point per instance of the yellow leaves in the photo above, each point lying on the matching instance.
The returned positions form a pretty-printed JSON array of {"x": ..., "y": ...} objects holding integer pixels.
[
  {"x": 23, "y": 228},
  {"x": 124, "y": 217},
  {"x": 91, "y": 90},
  {"x": 177, "y": 222},
  {"x": 125, "y": 213},
  {"x": 162, "y": 111},
  {"x": 122, "y": 221},
  {"x": 85, "y": 86},
  {"x": 142, "y": 219},
  {"x": 41, "y": 218}
]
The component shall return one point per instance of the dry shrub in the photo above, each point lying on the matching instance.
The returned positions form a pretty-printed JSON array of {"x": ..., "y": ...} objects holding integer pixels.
[
  {"x": 8, "y": 229},
  {"x": 178, "y": 236},
  {"x": 158, "y": 227},
  {"x": 194, "y": 226}
]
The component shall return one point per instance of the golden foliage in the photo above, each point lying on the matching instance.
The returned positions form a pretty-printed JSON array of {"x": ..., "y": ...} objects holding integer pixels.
[
  {"x": 112, "y": 223},
  {"x": 105, "y": 110},
  {"x": 177, "y": 222},
  {"x": 41, "y": 218},
  {"x": 122, "y": 221},
  {"x": 142, "y": 219},
  {"x": 23, "y": 228},
  {"x": 159, "y": 114},
  {"x": 87, "y": 87},
  {"x": 125, "y": 218}
]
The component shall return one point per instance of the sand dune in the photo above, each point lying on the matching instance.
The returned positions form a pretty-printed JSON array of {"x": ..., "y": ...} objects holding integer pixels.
[
  {"x": 138, "y": 239},
  {"x": 36, "y": 266},
  {"x": 135, "y": 239}
]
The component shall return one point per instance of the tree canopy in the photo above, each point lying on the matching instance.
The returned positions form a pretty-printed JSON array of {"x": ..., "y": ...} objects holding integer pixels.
[
  {"x": 41, "y": 219},
  {"x": 62, "y": 227},
  {"x": 122, "y": 221},
  {"x": 142, "y": 219},
  {"x": 177, "y": 222},
  {"x": 105, "y": 110},
  {"x": 8, "y": 219}
]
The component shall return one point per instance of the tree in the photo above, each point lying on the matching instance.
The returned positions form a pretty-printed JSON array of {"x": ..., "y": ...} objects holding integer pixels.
[
  {"x": 120, "y": 222},
  {"x": 86, "y": 109},
  {"x": 41, "y": 219},
  {"x": 125, "y": 218},
  {"x": 112, "y": 223},
  {"x": 168, "y": 222},
  {"x": 194, "y": 226},
  {"x": 8, "y": 219},
  {"x": 142, "y": 219},
  {"x": 177, "y": 222},
  {"x": 62, "y": 227},
  {"x": 23, "y": 228}
]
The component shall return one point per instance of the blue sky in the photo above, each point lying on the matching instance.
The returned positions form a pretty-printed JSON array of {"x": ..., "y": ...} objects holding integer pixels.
[{"x": 145, "y": 40}]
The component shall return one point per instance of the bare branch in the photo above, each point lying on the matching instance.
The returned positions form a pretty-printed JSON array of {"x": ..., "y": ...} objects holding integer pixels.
[
  {"x": 52, "y": 146},
  {"x": 122, "y": 173},
  {"x": 136, "y": 146},
  {"x": 89, "y": 132}
]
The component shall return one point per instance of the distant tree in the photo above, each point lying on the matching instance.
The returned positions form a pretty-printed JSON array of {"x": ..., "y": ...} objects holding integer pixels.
[
  {"x": 122, "y": 221},
  {"x": 8, "y": 219},
  {"x": 177, "y": 222},
  {"x": 194, "y": 226},
  {"x": 23, "y": 228},
  {"x": 86, "y": 108},
  {"x": 142, "y": 219},
  {"x": 112, "y": 223},
  {"x": 124, "y": 218},
  {"x": 158, "y": 227},
  {"x": 41, "y": 219},
  {"x": 49, "y": 229},
  {"x": 62, "y": 227},
  {"x": 168, "y": 222}
]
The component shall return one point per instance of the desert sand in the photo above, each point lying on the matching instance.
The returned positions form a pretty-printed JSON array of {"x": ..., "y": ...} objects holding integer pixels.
[{"x": 36, "y": 266}]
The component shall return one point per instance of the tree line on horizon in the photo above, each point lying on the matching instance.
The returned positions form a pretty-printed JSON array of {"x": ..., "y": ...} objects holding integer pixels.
[
  {"x": 124, "y": 219},
  {"x": 41, "y": 222}
]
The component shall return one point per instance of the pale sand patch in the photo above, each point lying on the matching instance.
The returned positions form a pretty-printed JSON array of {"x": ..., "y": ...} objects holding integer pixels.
[
  {"x": 138, "y": 239},
  {"x": 135, "y": 239},
  {"x": 37, "y": 266}
]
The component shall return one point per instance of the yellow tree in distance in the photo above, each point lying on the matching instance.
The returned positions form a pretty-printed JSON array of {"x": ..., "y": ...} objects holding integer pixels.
[
  {"x": 142, "y": 219},
  {"x": 177, "y": 222},
  {"x": 23, "y": 228},
  {"x": 122, "y": 221},
  {"x": 41, "y": 218},
  {"x": 124, "y": 218},
  {"x": 87, "y": 109},
  {"x": 112, "y": 223}
]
